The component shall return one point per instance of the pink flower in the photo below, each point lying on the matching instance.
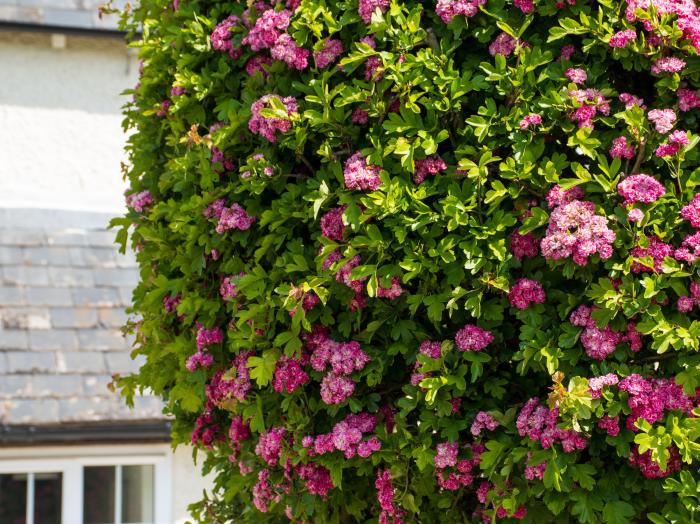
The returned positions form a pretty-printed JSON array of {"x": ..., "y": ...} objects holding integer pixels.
[
  {"x": 524, "y": 245},
  {"x": 651, "y": 469},
  {"x": 483, "y": 421},
  {"x": 472, "y": 338},
  {"x": 556, "y": 196},
  {"x": 428, "y": 166},
  {"x": 259, "y": 63},
  {"x": 317, "y": 479},
  {"x": 139, "y": 201},
  {"x": 621, "y": 149},
  {"x": 622, "y": 38},
  {"x": 504, "y": 44},
  {"x": 687, "y": 99},
  {"x": 665, "y": 150},
  {"x": 663, "y": 119},
  {"x": 229, "y": 287},
  {"x": 611, "y": 425},
  {"x": 667, "y": 64},
  {"x": 567, "y": 51},
  {"x": 359, "y": 174},
  {"x": 448, "y": 9},
  {"x": 288, "y": 51},
  {"x": 640, "y": 188},
  {"x": 360, "y": 116},
  {"x": 266, "y": 127},
  {"x": 221, "y": 37},
  {"x": 685, "y": 304},
  {"x": 526, "y": 6},
  {"x": 525, "y": 292},
  {"x": 689, "y": 250},
  {"x": 577, "y": 76},
  {"x": 630, "y": 101},
  {"x": 595, "y": 384},
  {"x": 331, "y": 50},
  {"x": 269, "y": 26},
  {"x": 288, "y": 375},
  {"x": 269, "y": 445},
  {"x": 336, "y": 389},
  {"x": 656, "y": 249},
  {"x": 691, "y": 212},
  {"x": 332, "y": 226},
  {"x": 431, "y": 349},
  {"x": 530, "y": 120},
  {"x": 392, "y": 292},
  {"x": 575, "y": 231},
  {"x": 679, "y": 137},
  {"x": 385, "y": 495},
  {"x": 446, "y": 455},
  {"x": 368, "y": 7},
  {"x": 234, "y": 217},
  {"x": 635, "y": 215}
]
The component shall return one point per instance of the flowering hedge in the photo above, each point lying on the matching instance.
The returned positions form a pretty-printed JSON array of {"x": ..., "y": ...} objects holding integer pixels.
[{"x": 419, "y": 262}]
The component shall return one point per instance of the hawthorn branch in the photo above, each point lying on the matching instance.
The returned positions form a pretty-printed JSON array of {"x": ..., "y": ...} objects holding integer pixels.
[{"x": 640, "y": 156}]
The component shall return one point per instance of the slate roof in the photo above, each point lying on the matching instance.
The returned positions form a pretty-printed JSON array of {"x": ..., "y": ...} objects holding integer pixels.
[
  {"x": 70, "y": 14},
  {"x": 63, "y": 290}
]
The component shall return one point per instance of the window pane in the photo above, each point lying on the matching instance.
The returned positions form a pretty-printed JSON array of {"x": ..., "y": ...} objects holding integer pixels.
[
  {"x": 98, "y": 494},
  {"x": 47, "y": 498},
  {"x": 137, "y": 494},
  {"x": 13, "y": 499}
]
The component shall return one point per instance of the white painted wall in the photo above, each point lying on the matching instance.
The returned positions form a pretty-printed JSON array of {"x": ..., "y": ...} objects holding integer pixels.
[
  {"x": 187, "y": 483},
  {"x": 61, "y": 140}
]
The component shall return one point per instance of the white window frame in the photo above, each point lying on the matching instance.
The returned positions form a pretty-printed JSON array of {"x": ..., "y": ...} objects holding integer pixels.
[{"x": 70, "y": 461}]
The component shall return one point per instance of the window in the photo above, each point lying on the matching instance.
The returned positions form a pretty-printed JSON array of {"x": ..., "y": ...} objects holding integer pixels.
[{"x": 121, "y": 485}]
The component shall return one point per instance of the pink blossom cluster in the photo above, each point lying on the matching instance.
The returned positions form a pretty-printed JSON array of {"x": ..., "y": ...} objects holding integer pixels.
[
  {"x": 524, "y": 245},
  {"x": 657, "y": 250},
  {"x": 663, "y": 119},
  {"x": 208, "y": 337},
  {"x": 687, "y": 99},
  {"x": 621, "y": 149},
  {"x": 446, "y": 458},
  {"x": 221, "y": 37},
  {"x": 343, "y": 275},
  {"x": 269, "y": 446},
  {"x": 691, "y": 212},
  {"x": 332, "y": 226},
  {"x": 431, "y": 349},
  {"x": 487, "y": 492},
  {"x": 595, "y": 384},
  {"x": 289, "y": 375},
  {"x": 139, "y": 201},
  {"x": 263, "y": 492},
  {"x": 630, "y": 101},
  {"x": 483, "y": 421},
  {"x": 689, "y": 250},
  {"x": 676, "y": 140},
  {"x": 472, "y": 338},
  {"x": 640, "y": 188},
  {"x": 575, "y": 231},
  {"x": 177, "y": 91},
  {"x": 170, "y": 302},
  {"x": 218, "y": 157},
  {"x": 269, "y": 33},
  {"x": 558, "y": 196},
  {"x": 688, "y": 16},
  {"x": 266, "y": 127},
  {"x": 503, "y": 44},
  {"x": 238, "y": 432},
  {"x": 577, "y": 76},
  {"x": 428, "y": 166},
  {"x": 259, "y": 63},
  {"x": 667, "y": 64},
  {"x": 360, "y": 116},
  {"x": 622, "y": 38},
  {"x": 530, "y": 120},
  {"x": 390, "y": 514},
  {"x": 526, "y": 6},
  {"x": 332, "y": 49},
  {"x": 347, "y": 437},
  {"x": 533, "y": 472},
  {"x": 286, "y": 50},
  {"x": 232, "y": 384},
  {"x": 649, "y": 468},
  {"x": 368, "y": 7},
  {"x": 199, "y": 359},
  {"x": 344, "y": 358},
  {"x": 539, "y": 423},
  {"x": 317, "y": 479},
  {"x": 611, "y": 425},
  {"x": 567, "y": 52},
  {"x": 215, "y": 209},
  {"x": 234, "y": 217},
  {"x": 593, "y": 102},
  {"x": 650, "y": 399},
  {"x": 525, "y": 292},
  {"x": 164, "y": 108},
  {"x": 448, "y": 9},
  {"x": 229, "y": 286},
  {"x": 601, "y": 342},
  {"x": 206, "y": 432},
  {"x": 392, "y": 292},
  {"x": 359, "y": 174}
]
